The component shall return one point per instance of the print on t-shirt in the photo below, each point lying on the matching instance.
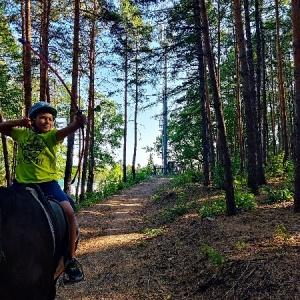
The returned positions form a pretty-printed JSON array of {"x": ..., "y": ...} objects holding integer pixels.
[{"x": 31, "y": 149}]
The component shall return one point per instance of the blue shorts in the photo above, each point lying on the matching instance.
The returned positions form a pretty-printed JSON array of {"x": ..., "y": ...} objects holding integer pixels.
[{"x": 51, "y": 188}]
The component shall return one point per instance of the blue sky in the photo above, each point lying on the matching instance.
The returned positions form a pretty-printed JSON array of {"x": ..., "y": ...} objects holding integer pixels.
[{"x": 148, "y": 130}]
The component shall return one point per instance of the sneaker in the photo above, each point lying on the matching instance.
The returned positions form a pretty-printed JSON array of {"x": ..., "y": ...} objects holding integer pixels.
[{"x": 73, "y": 271}]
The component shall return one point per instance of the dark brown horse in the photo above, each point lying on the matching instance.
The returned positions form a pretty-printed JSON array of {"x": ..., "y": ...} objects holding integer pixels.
[{"x": 32, "y": 242}]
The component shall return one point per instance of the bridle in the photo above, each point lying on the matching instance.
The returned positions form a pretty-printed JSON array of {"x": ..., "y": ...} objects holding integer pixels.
[{"x": 73, "y": 99}]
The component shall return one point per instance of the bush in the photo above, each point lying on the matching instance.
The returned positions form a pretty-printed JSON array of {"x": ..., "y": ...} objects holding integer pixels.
[
  {"x": 213, "y": 255},
  {"x": 187, "y": 178},
  {"x": 112, "y": 184},
  {"x": 276, "y": 196},
  {"x": 244, "y": 201},
  {"x": 215, "y": 207}
]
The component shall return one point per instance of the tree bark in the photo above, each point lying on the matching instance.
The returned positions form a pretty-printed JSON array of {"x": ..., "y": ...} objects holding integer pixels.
[
  {"x": 125, "y": 109},
  {"x": 202, "y": 94},
  {"x": 212, "y": 159},
  {"x": 239, "y": 112},
  {"x": 255, "y": 104},
  {"x": 249, "y": 113},
  {"x": 283, "y": 118},
  {"x": 228, "y": 180},
  {"x": 265, "y": 124},
  {"x": 70, "y": 149},
  {"x": 296, "y": 48},
  {"x": 5, "y": 155},
  {"x": 87, "y": 149},
  {"x": 136, "y": 102},
  {"x": 27, "y": 56},
  {"x": 44, "y": 41}
]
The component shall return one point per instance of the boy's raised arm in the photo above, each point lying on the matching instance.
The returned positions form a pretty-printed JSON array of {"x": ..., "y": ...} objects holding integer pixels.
[
  {"x": 71, "y": 128},
  {"x": 6, "y": 127}
]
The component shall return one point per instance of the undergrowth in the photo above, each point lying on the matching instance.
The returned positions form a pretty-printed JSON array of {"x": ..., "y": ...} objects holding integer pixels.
[
  {"x": 113, "y": 185},
  {"x": 183, "y": 201}
]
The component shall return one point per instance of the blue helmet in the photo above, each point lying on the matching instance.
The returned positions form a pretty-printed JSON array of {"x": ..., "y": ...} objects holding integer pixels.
[{"x": 42, "y": 106}]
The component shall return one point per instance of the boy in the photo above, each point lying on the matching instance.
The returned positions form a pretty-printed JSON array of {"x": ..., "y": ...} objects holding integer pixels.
[{"x": 36, "y": 162}]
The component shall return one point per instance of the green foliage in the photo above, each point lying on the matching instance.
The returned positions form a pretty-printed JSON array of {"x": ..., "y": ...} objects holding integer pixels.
[
  {"x": 171, "y": 213},
  {"x": 188, "y": 178},
  {"x": 213, "y": 208},
  {"x": 185, "y": 141},
  {"x": 108, "y": 131},
  {"x": 180, "y": 207},
  {"x": 276, "y": 167},
  {"x": 213, "y": 255},
  {"x": 240, "y": 245},
  {"x": 244, "y": 201},
  {"x": 11, "y": 95},
  {"x": 276, "y": 196},
  {"x": 282, "y": 232},
  {"x": 90, "y": 199},
  {"x": 111, "y": 183},
  {"x": 141, "y": 175},
  {"x": 142, "y": 243},
  {"x": 155, "y": 197},
  {"x": 153, "y": 232},
  {"x": 218, "y": 175},
  {"x": 289, "y": 175}
]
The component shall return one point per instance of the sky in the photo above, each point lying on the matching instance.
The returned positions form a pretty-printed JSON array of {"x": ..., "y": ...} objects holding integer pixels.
[
  {"x": 148, "y": 125},
  {"x": 148, "y": 130}
]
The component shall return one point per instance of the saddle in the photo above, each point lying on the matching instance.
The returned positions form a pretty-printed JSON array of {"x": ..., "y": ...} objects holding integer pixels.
[{"x": 57, "y": 220}]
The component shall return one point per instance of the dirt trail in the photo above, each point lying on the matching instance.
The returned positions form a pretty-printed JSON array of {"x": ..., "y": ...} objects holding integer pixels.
[
  {"x": 253, "y": 255},
  {"x": 110, "y": 233}
]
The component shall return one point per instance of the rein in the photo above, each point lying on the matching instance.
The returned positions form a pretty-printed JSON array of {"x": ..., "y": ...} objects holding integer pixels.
[{"x": 73, "y": 100}]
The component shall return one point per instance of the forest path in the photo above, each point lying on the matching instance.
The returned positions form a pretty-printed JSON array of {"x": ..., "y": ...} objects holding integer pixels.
[{"x": 109, "y": 237}]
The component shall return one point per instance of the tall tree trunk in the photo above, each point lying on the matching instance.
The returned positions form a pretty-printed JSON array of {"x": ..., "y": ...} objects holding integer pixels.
[
  {"x": 296, "y": 48},
  {"x": 125, "y": 110},
  {"x": 249, "y": 113},
  {"x": 70, "y": 147},
  {"x": 212, "y": 158},
  {"x": 259, "y": 63},
  {"x": 255, "y": 88},
  {"x": 136, "y": 102},
  {"x": 5, "y": 155},
  {"x": 88, "y": 146},
  {"x": 283, "y": 118},
  {"x": 219, "y": 43},
  {"x": 239, "y": 112},
  {"x": 91, "y": 175},
  {"x": 44, "y": 41},
  {"x": 202, "y": 94},
  {"x": 228, "y": 180},
  {"x": 265, "y": 125},
  {"x": 165, "y": 114},
  {"x": 91, "y": 169},
  {"x": 273, "y": 110},
  {"x": 27, "y": 56}
]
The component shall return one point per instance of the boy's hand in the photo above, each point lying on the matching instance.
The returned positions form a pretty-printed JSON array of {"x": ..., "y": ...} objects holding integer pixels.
[
  {"x": 81, "y": 120},
  {"x": 26, "y": 122}
]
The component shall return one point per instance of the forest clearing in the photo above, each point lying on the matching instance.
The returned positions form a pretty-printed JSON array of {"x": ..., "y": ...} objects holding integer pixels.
[{"x": 128, "y": 253}]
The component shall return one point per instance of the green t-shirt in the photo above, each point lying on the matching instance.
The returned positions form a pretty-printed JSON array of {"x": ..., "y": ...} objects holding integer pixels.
[{"x": 36, "y": 159}]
